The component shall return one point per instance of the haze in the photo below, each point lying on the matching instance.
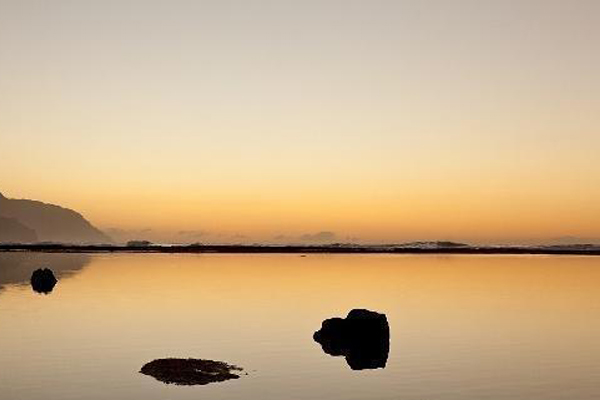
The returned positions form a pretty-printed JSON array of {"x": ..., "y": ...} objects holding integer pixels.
[{"x": 271, "y": 120}]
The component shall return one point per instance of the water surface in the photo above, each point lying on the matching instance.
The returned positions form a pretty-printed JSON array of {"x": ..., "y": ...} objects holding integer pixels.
[{"x": 462, "y": 327}]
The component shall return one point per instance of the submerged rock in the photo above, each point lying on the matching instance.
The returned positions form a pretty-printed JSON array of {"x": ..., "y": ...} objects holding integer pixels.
[
  {"x": 363, "y": 337},
  {"x": 190, "y": 371},
  {"x": 43, "y": 280}
]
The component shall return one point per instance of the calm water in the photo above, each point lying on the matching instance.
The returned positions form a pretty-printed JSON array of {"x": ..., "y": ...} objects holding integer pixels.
[{"x": 462, "y": 327}]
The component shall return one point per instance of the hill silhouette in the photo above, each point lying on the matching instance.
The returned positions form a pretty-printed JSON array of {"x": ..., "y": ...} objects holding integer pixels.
[
  {"x": 30, "y": 220},
  {"x": 11, "y": 230}
]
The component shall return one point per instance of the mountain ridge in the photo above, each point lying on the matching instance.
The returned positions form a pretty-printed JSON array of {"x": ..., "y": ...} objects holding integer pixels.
[
  {"x": 11, "y": 230},
  {"x": 50, "y": 222}
]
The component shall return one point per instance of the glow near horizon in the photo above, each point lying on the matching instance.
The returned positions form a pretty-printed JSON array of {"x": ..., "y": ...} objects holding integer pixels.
[{"x": 382, "y": 120}]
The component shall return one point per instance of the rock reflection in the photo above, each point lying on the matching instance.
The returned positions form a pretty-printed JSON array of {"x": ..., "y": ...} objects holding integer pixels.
[
  {"x": 363, "y": 337},
  {"x": 17, "y": 268}
]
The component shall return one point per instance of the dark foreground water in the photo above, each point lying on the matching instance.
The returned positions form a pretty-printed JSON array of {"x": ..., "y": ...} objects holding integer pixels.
[{"x": 462, "y": 327}]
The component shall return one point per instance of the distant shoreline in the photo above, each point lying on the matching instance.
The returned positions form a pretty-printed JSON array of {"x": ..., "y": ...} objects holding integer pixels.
[{"x": 293, "y": 249}]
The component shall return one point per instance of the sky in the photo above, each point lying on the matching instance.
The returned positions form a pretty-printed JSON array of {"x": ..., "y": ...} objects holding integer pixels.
[{"x": 270, "y": 121}]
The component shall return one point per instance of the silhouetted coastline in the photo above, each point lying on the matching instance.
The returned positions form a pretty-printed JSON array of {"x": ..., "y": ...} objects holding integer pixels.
[
  {"x": 31, "y": 221},
  {"x": 591, "y": 250}
]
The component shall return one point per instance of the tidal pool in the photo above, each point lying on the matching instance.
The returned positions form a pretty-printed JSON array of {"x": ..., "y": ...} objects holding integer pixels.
[{"x": 460, "y": 327}]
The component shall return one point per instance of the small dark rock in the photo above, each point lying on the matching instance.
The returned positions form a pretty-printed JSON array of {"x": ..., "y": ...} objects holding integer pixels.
[
  {"x": 139, "y": 243},
  {"x": 181, "y": 371},
  {"x": 43, "y": 280},
  {"x": 363, "y": 337}
]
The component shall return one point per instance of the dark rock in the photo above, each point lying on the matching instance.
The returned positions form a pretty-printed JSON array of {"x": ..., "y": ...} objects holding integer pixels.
[
  {"x": 43, "y": 280},
  {"x": 363, "y": 337},
  {"x": 181, "y": 371},
  {"x": 139, "y": 243}
]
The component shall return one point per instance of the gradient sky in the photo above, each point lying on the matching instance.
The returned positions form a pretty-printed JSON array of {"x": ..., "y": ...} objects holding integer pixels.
[{"x": 267, "y": 120}]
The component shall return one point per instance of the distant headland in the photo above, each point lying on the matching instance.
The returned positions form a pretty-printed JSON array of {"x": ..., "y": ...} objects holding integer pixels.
[
  {"x": 409, "y": 248},
  {"x": 30, "y": 225},
  {"x": 31, "y": 221}
]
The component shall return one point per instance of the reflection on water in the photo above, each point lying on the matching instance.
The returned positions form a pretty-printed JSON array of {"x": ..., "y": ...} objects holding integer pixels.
[
  {"x": 363, "y": 337},
  {"x": 463, "y": 327},
  {"x": 18, "y": 267}
]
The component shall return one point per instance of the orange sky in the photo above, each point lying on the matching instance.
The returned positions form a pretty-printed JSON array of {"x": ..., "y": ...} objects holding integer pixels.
[{"x": 265, "y": 121}]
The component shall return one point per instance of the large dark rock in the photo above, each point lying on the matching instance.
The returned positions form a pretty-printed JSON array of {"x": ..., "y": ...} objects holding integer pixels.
[
  {"x": 363, "y": 337},
  {"x": 190, "y": 371},
  {"x": 43, "y": 280}
]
